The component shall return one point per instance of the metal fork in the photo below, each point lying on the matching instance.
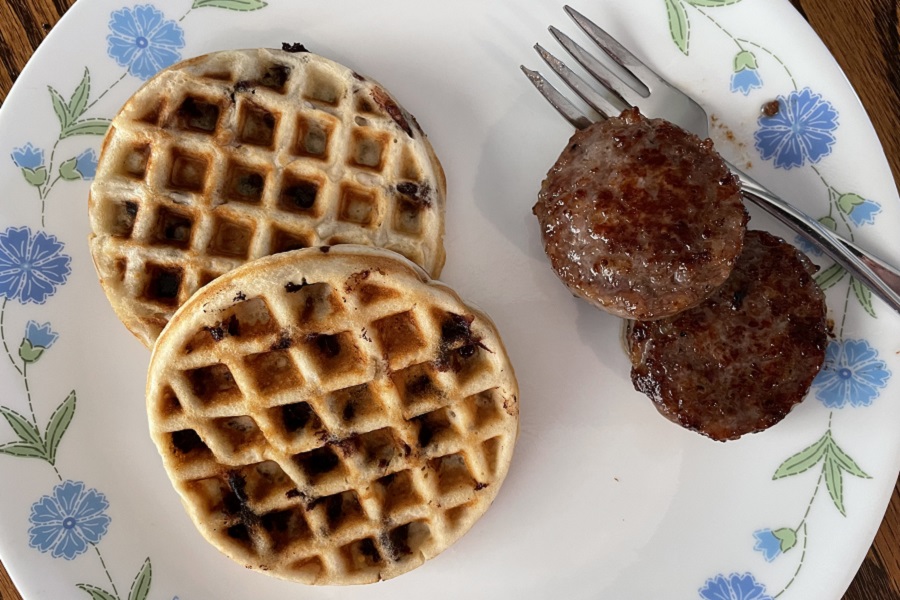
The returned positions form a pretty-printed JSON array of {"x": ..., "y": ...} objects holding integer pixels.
[{"x": 636, "y": 84}]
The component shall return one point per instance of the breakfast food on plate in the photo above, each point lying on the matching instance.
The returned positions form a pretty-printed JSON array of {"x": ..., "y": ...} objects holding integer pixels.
[
  {"x": 738, "y": 362},
  {"x": 640, "y": 217},
  {"x": 331, "y": 415},
  {"x": 236, "y": 155}
]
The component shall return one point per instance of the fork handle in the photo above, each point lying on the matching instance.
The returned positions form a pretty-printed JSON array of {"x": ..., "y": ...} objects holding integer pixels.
[{"x": 879, "y": 276}]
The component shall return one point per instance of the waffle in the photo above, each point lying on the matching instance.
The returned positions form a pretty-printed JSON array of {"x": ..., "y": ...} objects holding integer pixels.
[
  {"x": 332, "y": 416},
  {"x": 236, "y": 155}
]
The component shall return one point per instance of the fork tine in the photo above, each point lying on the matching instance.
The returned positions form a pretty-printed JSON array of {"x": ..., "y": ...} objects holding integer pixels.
[
  {"x": 606, "y": 104},
  {"x": 643, "y": 75},
  {"x": 598, "y": 70},
  {"x": 556, "y": 99}
]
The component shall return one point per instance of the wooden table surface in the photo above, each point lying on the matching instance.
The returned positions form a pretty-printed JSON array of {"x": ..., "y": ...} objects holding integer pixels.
[{"x": 863, "y": 35}]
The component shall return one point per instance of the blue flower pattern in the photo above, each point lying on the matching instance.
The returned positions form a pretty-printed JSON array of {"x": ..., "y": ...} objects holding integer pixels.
[
  {"x": 801, "y": 130},
  {"x": 28, "y": 157},
  {"x": 31, "y": 267},
  {"x": 734, "y": 587},
  {"x": 746, "y": 80},
  {"x": 767, "y": 543},
  {"x": 86, "y": 164},
  {"x": 864, "y": 214},
  {"x": 143, "y": 40},
  {"x": 852, "y": 374},
  {"x": 40, "y": 335},
  {"x": 67, "y": 521}
]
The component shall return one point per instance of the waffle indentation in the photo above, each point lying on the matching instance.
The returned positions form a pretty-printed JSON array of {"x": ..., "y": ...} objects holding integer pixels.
[
  {"x": 122, "y": 218},
  {"x": 343, "y": 511},
  {"x": 214, "y": 383},
  {"x": 368, "y": 149},
  {"x": 163, "y": 284},
  {"x": 406, "y": 541},
  {"x": 256, "y": 125},
  {"x": 238, "y": 433},
  {"x": 362, "y": 555},
  {"x": 314, "y": 135},
  {"x": 434, "y": 429},
  {"x": 286, "y": 528},
  {"x": 321, "y": 466},
  {"x": 134, "y": 161},
  {"x": 397, "y": 493},
  {"x": 188, "y": 172},
  {"x": 244, "y": 183},
  {"x": 297, "y": 421},
  {"x": 173, "y": 227},
  {"x": 299, "y": 195},
  {"x": 198, "y": 114},
  {"x": 353, "y": 405},
  {"x": 284, "y": 241},
  {"x": 230, "y": 238},
  {"x": 400, "y": 336},
  {"x": 358, "y": 205},
  {"x": 273, "y": 371},
  {"x": 275, "y": 76},
  {"x": 418, "y": 388},
  {"x": 335, "y": 355},
  {"x": 453, "y": 474}
]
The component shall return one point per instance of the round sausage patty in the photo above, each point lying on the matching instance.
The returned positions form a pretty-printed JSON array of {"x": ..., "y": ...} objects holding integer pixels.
[
  {"x": 640, "y": 217},
  {"x": 742, "y": 359}
]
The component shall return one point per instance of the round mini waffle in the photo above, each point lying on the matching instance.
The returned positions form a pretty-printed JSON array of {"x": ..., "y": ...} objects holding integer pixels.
[
  {"x": 331, "y": 415},
  {"x": 240, "y": 154}
]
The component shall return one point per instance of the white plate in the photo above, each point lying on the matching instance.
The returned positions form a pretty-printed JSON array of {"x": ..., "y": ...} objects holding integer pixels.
[{"x": 605, "y": 498}]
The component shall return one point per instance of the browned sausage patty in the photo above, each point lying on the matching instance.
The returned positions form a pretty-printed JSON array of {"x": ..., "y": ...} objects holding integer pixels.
[
  {"x": 640, "y": 217},
  {"x": 742, "y": 359}
]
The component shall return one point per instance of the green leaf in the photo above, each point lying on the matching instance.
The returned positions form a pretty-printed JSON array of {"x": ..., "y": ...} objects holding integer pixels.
[
  {"x": 803, "y": 460},
  {"x": 28, "y": 352},
  {"x": 86, "y": 127},
  {"x": 830, "y": 276},
  {"x": 711, "y": 3},
  {"x": 58, "y": 424},
  {"x": 23, "y": 450},
  {"x": 787, "y": 537},
  {"x": 744, "y": 60},
  {"x": 829, "y": 222},
  {"x": 95, "y": 592},
  {"x": 140, "y": 587},
  {"x": 864, "y": 295},
  {"x": 679, "y": 27},
  {"x": 60, "y": 108},
  {"x": 847, "y": 202},
  {"x": 27, "y": 431},
  {"x": 36, "y": 177},
  {"x": 835, "y": 483},
  {"x": 68, "y": 171},
  {"x": 845, "y": 462},
  {"x": 78, "y": 102},
  {"x": 242, "y": 5}
]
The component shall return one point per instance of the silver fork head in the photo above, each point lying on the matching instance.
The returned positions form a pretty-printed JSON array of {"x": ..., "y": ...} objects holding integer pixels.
[{"x": 632, "y": 84}]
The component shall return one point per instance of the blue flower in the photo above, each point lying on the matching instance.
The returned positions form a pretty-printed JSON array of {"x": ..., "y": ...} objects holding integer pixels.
[
  {"x": 734, "y": 587},
  {"x": 851, "y": 374},
  {"x": 28, "y": 157},
  {"x": 799, "y": 131},
  {"x": 745, "y": 80},
  {"x": 65, "y": 522},
  {"x": 40, "y": 336},
  {"x": 31, "y": 266},
  {"x": 141, "y": 39},
  {"x": 767, "y": 543},
  {"x": 86, "y": 164},
  {"x": 864, "y": 214},
  {"x": 37, "y": 339},
  {"x": 807, "y": 246}
]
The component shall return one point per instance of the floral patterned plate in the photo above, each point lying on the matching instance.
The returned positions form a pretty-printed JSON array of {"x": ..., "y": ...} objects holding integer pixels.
[{"x": 605, "y": 499}]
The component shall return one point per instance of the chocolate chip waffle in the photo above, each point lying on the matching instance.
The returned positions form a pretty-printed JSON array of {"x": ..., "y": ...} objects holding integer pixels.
[
  {"x": 332, "y": 416},
  {"x": 236, "y": 155}
]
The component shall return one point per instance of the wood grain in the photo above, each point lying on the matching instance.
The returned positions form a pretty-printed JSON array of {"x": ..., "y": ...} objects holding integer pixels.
[{"x": 863, "y": 35}]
